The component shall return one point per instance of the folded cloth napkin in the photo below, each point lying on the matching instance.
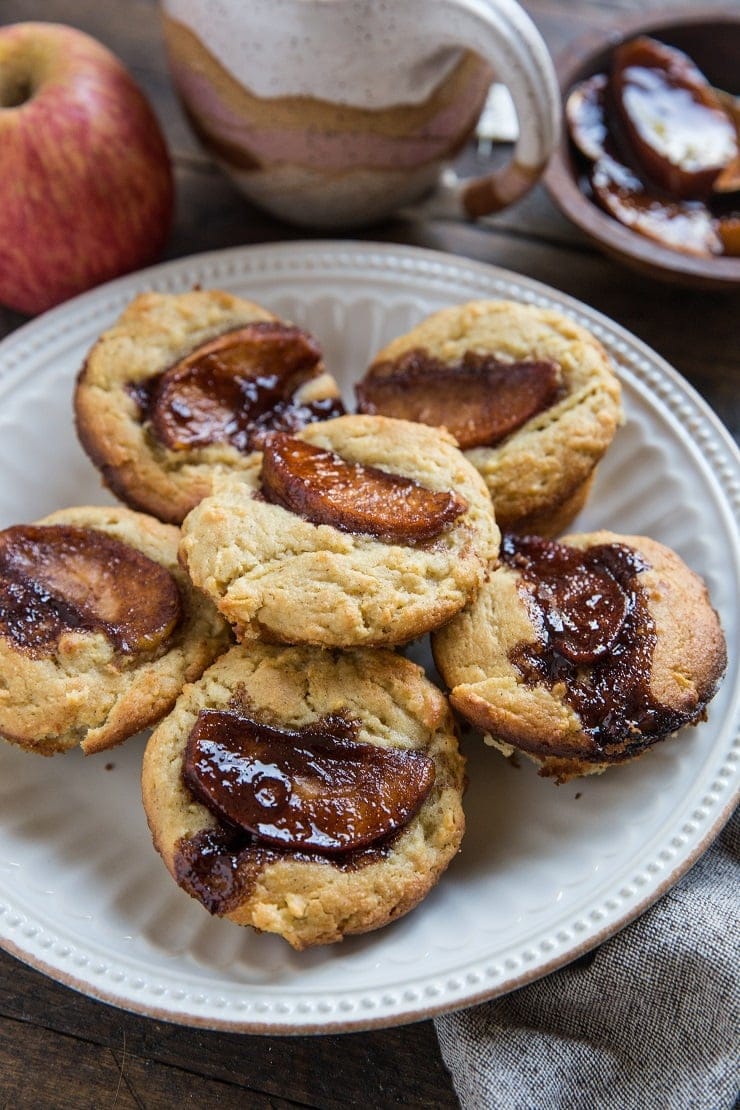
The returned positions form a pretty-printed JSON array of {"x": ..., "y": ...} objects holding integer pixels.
[{"x": 649, "y": 1021}]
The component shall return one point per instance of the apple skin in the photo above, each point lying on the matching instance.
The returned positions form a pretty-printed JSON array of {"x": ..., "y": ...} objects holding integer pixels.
[{"x": 86, "y": 190}]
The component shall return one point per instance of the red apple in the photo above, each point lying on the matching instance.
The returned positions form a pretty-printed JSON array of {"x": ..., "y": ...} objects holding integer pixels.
[{"x": 86, "y": 187}]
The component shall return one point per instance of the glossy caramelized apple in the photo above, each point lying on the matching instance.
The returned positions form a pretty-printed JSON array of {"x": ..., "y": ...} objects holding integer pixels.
[
  {"x": 663, "y": 146},
  {"x": 728, "y": 180},
  {"x": 326, "y": 489},
  {"x": 235, "y": 383},
  {"x": 585, "y": 114},
  {"x": 313, "y": 789},
  {"x": 687, "y": 227},
  {"x": 582, "y": 603},
  {"x": 729, "y": 233},
  {"x": 479, "y": 399},
  {"x": 672, "y": 118},
  {"x": 60, "y": 578}
]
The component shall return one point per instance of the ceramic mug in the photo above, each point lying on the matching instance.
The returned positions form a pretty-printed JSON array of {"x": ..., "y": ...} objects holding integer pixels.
[{"x": 335, "y": 113}]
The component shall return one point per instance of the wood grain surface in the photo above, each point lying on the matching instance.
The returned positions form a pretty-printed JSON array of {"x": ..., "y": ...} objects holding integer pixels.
[{"x": 60, "y": 1049}]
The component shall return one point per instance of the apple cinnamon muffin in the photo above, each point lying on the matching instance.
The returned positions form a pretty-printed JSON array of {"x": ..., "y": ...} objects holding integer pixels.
[
  {"x": 177, "y": 390},
  {"x": 308, "y": 793},
  {"x": 530, "y": 396},
  {"x": 583, "y": 654},
  {"x": 361, "y": 530},
  {"x": 99, "y": 628}
]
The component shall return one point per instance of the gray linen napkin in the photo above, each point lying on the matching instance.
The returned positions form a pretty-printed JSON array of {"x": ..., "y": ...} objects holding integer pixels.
[{"x": 649, "y": 1021}]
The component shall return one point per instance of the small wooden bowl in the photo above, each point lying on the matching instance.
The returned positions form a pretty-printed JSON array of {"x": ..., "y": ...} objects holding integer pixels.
[{"x": 712, "y": 39}]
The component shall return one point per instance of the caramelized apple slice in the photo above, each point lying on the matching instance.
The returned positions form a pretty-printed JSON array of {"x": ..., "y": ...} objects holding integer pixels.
[
  {"x": 480, "y": 400},
  {"x": 728, "y": 228},
  {"x": 58, "y": 578},
  {"x": 222, "y": 389},
  {"x": 585, "y": 114},
  {"x": 326, "y": 489},
  {"x": 681, "y": 225},
  {"x": 312, "y": 789},
  {"x": 673, "y": 120},
  {"x": 583, "y": 607},
  {"x": 728, "y": 181}
]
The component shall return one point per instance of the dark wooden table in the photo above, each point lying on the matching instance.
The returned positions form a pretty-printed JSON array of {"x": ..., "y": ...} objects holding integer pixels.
[{"x": 59, "y": 1049}]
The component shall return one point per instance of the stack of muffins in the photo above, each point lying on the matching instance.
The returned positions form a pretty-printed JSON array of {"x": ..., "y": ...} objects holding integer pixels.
[{"x": 304, "y": 777}]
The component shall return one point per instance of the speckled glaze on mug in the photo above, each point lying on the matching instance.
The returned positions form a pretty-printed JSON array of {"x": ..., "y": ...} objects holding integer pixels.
[{"x": 334, "y": 113}]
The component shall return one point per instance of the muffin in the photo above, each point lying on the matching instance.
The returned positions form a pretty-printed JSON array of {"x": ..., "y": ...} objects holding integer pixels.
[
  {"x": 530, "y": 396},
  {"x": 357, "y": 531},
  {"x": 308, "y": 793},
  {"x": 177, "y": 390},
  {"x": 99, "y": 629},
  {"x": 583, "y": 654}
]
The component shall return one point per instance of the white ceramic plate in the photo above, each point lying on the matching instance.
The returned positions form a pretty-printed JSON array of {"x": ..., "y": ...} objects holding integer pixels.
[{"x": 544, "y": 873}]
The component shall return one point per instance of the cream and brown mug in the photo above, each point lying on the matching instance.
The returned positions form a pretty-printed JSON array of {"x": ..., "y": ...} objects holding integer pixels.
[{"x": 335, "y": 113}]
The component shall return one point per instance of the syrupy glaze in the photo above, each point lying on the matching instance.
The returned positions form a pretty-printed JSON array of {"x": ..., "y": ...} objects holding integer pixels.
[
  {"x": 480, "y": 399},
  {"x": 661, "y": 147},
  {"x": 59, "y": 578},
  {"x": 596, "y": 636},
  {"x": 324, "y": 488},
  {"x": 313, "y": 794},
  {"x": 235, "y": 387},
  {"x": 220, "y": 866}
]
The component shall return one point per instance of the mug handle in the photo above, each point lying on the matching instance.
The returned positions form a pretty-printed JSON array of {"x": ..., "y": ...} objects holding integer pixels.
[{"x": 501, "y": 33}]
